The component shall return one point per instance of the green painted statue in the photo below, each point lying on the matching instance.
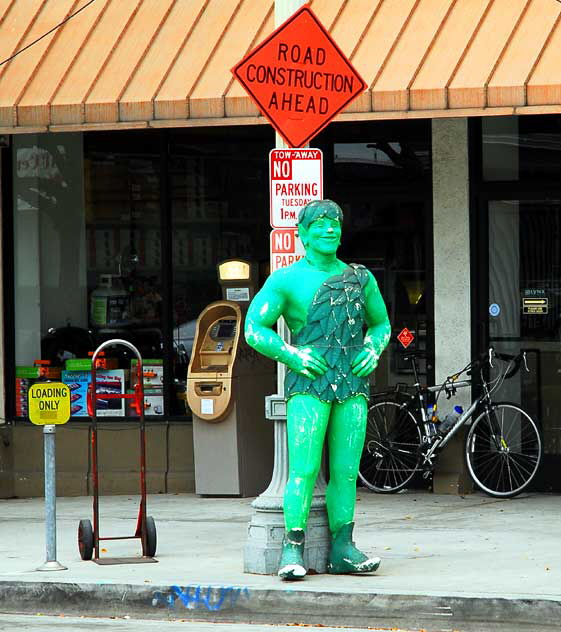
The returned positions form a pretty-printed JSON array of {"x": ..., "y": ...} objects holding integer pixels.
[{"x": 327, "y": 306}]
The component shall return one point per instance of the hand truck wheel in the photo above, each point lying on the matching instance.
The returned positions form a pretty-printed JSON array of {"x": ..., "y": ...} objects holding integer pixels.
[
  {"x": 151, "y": 538},
  {"x": 85, "y": 539}
]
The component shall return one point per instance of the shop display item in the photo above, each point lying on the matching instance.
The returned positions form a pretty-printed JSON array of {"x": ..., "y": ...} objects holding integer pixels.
[
  {"x": 38, "y": 370},
  {"x": 85, "y": 364},
  {"x": 111, "y": 382},
  {"x": 153, "y": 373},
  {"x": 110, "y": 303},
  {"x": 28, "y": 375},
  {"x": 153, "y": 403},
  {"x": 22, "y": 390}
]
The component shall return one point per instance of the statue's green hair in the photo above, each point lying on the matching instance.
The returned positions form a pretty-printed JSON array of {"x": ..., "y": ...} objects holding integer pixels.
[{"x": 319, "y": 208}]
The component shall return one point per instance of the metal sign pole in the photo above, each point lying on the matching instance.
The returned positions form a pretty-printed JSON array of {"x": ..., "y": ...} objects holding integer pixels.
[
  {"x": 51, "y": 564},
  {"x": 49, "y": 404},
  {"x": 283, "y": 10},
  {"x": 262, "y": 550}
]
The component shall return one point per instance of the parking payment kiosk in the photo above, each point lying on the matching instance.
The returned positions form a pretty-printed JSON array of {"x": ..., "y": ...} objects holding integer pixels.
[{"x": 227, "y": 382}]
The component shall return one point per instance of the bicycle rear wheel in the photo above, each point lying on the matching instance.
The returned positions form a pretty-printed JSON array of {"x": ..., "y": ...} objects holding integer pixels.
[
  {"x": 392, "y": 448},
  {"x": 503, "y": 450}
]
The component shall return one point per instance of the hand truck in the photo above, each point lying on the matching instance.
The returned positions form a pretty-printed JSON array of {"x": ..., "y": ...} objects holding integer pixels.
[{"x": 88, "y": 537}]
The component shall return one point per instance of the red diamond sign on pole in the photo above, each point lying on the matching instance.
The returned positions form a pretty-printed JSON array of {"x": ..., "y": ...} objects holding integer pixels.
[
  {"x": 405, "y": 337},
  {"x": 299, "y": 78}
]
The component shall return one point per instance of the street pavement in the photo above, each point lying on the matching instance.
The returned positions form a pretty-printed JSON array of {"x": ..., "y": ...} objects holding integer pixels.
[
  {"x": 448, "y": 563},
  {"x": 38, "y": 623}
]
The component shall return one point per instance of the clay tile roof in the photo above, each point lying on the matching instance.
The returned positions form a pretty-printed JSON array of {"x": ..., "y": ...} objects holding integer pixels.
[{"x": 167, "y": 62}]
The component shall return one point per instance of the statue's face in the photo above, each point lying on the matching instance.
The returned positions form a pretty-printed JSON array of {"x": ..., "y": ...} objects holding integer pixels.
[{"x": 323, "y": 236}]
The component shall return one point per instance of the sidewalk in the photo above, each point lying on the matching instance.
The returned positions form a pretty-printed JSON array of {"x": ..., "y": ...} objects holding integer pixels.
[{"x": 445, "y": 560}]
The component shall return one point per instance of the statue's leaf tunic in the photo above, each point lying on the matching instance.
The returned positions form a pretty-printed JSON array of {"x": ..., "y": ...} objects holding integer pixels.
[{"x": 334, "y": 329}]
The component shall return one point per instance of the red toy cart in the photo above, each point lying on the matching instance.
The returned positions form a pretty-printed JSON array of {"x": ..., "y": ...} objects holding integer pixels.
[{"x": 88, "y": 537}]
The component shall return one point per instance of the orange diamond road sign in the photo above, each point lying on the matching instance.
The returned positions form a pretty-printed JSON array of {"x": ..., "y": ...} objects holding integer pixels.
[
  {"x": 299, "y": 78},
  {"x": 405, "y": 337}
]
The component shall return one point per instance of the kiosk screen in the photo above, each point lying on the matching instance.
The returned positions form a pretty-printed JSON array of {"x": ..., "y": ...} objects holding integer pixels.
[{"x": 225, "y": 329}]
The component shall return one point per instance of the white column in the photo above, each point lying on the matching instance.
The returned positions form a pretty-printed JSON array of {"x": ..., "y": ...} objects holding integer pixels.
[
  {"x": 452, "y": 288},
  {"x": 452, "y": 298},
  {"x": 285, "y": 8}
]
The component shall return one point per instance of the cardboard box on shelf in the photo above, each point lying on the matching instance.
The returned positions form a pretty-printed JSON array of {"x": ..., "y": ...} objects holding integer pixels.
[
  {"x": 34, "y": 372},
  {"x": 153, "y": 404},
  {"x": 110, "y": 382},
  {"x": 22, "y": 390},
  {"x": 153, "y": 372},
  {"x": 85, "y": 364}
]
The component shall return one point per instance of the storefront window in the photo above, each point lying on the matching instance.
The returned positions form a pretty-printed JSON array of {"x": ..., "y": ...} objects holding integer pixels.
[
  {"x": 119, "y": 234},
  {"x": 123, "y": 232},
  {"x": 519, "y": 264},
  {"x": 91, "y": 257},
  {"x": 50, "y": 262},
  {"x": 220, "y": 210},
  {"x": 525, "y": 304},
  {"x": 382, "y": 179},
  {"x": 521, "y": 148}
]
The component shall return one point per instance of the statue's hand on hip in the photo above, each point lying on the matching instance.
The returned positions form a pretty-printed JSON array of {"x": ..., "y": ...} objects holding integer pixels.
[
  {"x": 365, "y": 362},
  {"x": 306, "y": 361}
]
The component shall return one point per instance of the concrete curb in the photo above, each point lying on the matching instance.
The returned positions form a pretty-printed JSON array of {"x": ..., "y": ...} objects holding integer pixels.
[{"x": 238, "y": 604}]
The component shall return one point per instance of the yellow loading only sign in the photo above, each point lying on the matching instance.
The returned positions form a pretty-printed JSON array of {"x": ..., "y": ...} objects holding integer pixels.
[{"x": 49, "y": 403}]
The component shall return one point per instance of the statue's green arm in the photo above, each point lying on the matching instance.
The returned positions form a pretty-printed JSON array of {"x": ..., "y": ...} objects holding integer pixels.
[
  {"x": 378, "y": 333},
  {"x": 268, "y": 305}
]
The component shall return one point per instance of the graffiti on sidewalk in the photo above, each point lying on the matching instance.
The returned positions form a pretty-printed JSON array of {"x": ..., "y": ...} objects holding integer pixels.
[{"x": 213, "y": 598}]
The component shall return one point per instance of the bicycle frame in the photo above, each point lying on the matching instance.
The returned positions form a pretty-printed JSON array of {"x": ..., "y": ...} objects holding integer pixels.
[
  {"x": 421, "y": 403},
  {"x": 442, "y": 441},
  {"x": 437, "y": 442}
]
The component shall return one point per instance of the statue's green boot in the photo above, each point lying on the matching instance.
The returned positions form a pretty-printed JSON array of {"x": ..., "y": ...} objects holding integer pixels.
[
  {"x": 344, "y": 557},
  {"x": 291, "y": 564}
]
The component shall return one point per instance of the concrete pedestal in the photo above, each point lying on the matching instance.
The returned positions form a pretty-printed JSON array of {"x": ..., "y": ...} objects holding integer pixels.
[
  {"x": 264, "y": 540},
  {"x": 266, "y": 529}
]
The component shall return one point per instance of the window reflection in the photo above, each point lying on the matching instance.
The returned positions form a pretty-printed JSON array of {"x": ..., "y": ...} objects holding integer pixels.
[
  {"x": 220, "y": 210},
  {"x": 385, "y": 220},
  {"x": 524, "y": 148},
  {"x": 123, "y": 231},
  {"x": 383, "y": 160}
]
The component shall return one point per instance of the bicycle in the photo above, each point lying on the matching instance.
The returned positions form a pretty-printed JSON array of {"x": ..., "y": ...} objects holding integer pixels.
[{"x": 503, "y": 446}]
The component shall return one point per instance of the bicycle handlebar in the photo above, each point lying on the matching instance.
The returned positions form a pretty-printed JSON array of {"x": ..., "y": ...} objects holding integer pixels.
[
  {"x": 515, "y": 360},
  {"x": 452, "y": 381}
]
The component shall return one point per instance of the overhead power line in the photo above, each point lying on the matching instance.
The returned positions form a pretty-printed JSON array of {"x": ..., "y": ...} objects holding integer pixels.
[{"x": 5, "y": 61}]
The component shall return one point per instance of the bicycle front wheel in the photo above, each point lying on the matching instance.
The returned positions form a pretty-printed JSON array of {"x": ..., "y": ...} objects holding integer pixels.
[
  {"x": 392, "y": 448},
  {"x": 503, "y": 450}
]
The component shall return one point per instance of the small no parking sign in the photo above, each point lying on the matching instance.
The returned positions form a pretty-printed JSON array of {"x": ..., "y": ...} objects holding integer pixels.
[
  {"x": 296, "y": 178},
  {"x": 286, "y": 248}
]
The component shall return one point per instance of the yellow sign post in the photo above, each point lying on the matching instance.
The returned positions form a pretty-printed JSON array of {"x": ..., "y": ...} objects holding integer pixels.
[{"x": 49, "y": 403}]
